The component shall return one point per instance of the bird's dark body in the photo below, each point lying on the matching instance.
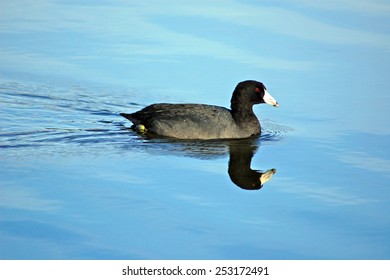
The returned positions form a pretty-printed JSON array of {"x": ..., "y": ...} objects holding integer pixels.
[{"x": 201, "y": 121}]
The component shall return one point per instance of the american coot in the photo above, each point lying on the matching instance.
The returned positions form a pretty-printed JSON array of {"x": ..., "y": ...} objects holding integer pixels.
[{"x": 200, "y": 121}]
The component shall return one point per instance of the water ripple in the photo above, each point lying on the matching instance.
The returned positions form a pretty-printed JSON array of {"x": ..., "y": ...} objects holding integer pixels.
[
  {"x": 44, "y": 117},
  {"x": 35, "y": 116},
  {"x": 272, "y": 131}
]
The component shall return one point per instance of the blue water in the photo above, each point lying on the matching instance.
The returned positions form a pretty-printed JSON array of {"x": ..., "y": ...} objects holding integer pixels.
[{"x": 77, "y": 183}]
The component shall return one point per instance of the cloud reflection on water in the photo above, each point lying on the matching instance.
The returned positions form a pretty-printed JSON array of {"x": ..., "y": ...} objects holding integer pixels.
[
  {"x": 328, "y": 195},
  {"x": 308, "y": 52},
  {"x": 366, "y": 161},
  {"x": 23, "y": 198},
  {"x": 138, "y": 31}
]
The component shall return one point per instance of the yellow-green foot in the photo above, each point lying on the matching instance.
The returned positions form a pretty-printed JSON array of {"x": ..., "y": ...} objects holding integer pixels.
[{"x": 140, "y": 128}]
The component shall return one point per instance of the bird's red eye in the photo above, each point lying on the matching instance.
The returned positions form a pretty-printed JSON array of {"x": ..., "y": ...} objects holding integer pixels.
[{"x": 257, "y": 89}]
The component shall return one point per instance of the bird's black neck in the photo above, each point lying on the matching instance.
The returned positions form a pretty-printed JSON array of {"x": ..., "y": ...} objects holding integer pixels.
[{"x": 243, "y": 114}]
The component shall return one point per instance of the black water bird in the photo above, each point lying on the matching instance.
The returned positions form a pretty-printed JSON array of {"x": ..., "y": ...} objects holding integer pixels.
[{"x": 201, "y": 121}]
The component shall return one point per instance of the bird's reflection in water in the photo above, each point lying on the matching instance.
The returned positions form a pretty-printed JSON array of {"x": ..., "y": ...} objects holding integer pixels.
[
  {"x": 240, "y": 151},
  {"x": 240, "y": 171}
]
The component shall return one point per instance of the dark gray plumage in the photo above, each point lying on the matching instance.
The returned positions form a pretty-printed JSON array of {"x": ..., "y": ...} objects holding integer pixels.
[{"x": 200, "y": 121}]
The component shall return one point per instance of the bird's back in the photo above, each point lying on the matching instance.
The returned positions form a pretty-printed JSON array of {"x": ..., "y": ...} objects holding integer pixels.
[{"x": 187, "y": 121}]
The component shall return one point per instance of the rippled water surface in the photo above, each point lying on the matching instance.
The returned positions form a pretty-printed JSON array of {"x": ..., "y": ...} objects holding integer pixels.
[{"x": 77, "y": 183}]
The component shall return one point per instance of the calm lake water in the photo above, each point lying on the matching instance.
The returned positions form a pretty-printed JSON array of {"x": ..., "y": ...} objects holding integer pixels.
[{"x": 77, "y": 183}]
